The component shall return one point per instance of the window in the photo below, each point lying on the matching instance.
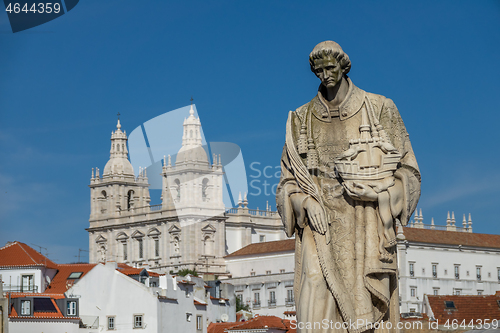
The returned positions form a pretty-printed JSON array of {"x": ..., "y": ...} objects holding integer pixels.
[
  {"x": 478, "y": 273},
  {"x": 256, "y": 298},
  {"x": 111, "y": 323},
  {"x": 282, "y": 271},
  {"x": 25, "y": 308},
  {"x": 262, "y": 238},
  {"x": 412, "y": 269},
  {"x": 268, "y": 272},
  {"x": 457, "y": 292},
  {"x": 289, "y": 296},
  {"x": 498, "y": 274},
  {"x": 252, "y": 273},
  {"x": 27, "y": 283},
  {"x": 457, "y": 272},
  {"x": 199, "y": 323},
  {"x": 272, "y": 298},
  {"x": 71, "y": 307},
  {"x": 434, "y": 271},
  {"x": 178, "y": 189},
  {"x": 435, "y": 291},
  {"x": 157, "y": 247},
  {"x": 189, "y": 316},
  {"x": 413, "y": 291},
  {"x": 449, "y": 305},
  {"x": 137, "y": 321},
  {"x": 75, "y": 275},
  {"x": 130, "y": 199},
  {"x": 204, "y": 187},
  {"x": 479, "y": 292},
  {"x": 240, "y": 297},
  {"x": 141, "y": 248},
  {"x": 125, "y": 256},
  {"x": 445, "y": 272}
]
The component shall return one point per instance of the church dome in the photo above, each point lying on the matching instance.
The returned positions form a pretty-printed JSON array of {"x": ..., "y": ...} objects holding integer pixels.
[
  {"x": 118, "y": 166},
  {"x": 191, "y": 153}
]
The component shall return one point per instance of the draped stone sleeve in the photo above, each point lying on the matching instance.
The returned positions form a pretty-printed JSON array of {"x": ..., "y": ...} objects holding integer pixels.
[
  {"x": 287, "y": 187},
  {"x": 407, "y": 173}
]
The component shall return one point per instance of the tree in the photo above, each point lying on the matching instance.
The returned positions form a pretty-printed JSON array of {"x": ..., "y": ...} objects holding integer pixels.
[
  {"x": 240, "y": 305},
  {"x": 184, "y": 272}
]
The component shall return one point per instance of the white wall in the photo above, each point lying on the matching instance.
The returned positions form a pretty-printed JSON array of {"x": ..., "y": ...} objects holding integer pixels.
[
  {"x": 446, "y": 257},
  {"x": 242, "y": 266},
  {"x": 103, "y": 292},
  {"x": 38, "y": 326},
  {"x": 12, "y": 276}
]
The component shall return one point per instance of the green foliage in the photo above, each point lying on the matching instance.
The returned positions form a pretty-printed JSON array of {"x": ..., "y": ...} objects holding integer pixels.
[
  {"x": 241, "y": 306},
  {"x": 184, "y": 272}
]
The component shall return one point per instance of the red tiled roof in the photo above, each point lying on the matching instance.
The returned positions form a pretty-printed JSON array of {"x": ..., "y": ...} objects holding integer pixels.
[
  {"x": 258, "y": 322},
  {"x": 288, "y": 325},
  {"x": 451, "y": 237},
  {"x": 129, "y": 270},
  {"x": 220, "y": 327},
  {"x": 20, "y": 254},
  {"x": 19, "y": 295},
  {"x": 61, "y": 283},
  {"x": 287, "y": 245},
  {"x": 467, "y": 307},
  {"x": 261, "y": 322},
  {"x": 289, "y": 313}
]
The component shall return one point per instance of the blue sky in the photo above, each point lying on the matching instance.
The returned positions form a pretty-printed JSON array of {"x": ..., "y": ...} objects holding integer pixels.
[{"x": 246, "y": 65}]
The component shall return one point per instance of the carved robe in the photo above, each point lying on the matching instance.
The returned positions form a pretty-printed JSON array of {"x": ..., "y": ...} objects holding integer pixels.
[{"x": 339, "y": 276}]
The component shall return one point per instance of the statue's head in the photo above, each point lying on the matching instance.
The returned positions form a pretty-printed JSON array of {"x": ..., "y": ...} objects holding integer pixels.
[{"x": 329, "y": 62}]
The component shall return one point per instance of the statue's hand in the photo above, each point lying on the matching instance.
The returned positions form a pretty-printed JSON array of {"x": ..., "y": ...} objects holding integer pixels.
[
  {"x": 360, "y": 191},
  {"x": 316, "y": 215}
]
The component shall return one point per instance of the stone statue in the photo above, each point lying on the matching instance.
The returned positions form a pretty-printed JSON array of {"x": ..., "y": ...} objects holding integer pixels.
[{"x": 348, "y": 177}]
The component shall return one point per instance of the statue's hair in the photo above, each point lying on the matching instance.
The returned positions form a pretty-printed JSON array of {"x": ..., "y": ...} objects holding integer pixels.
[{"x": 329, "y": 47}]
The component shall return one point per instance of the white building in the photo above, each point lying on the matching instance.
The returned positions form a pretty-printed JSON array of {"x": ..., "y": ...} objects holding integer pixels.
[
  {"x": 189, "y": 229},
  {"x": 34, "y": 287},
  {"x": 262, "y": 275},
  {"x": 445, "y": 260},
  {"x": 111, "y": 300}
]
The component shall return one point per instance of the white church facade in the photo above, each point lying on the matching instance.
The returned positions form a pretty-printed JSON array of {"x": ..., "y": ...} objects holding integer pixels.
[{"x": 191, "y": 229}]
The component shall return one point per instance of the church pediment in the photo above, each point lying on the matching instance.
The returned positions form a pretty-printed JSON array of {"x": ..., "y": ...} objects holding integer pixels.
[
  {"x": 154, "y": 232},
  {"x": 174, "y": 229},
  {"x": 137, "y": 234},
  {"x": 208, "y": 228},
  {"x": 121, "y": 236},
  {"x": 101, "y": 239}
]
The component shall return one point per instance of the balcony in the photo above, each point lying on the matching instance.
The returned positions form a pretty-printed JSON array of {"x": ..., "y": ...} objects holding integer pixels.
[
  {"x": 256, "y": 304},
  {"x": 272, "y": 303},
  {"x": 289, "y": 301},
  {"x": 20, "y": 289}
]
